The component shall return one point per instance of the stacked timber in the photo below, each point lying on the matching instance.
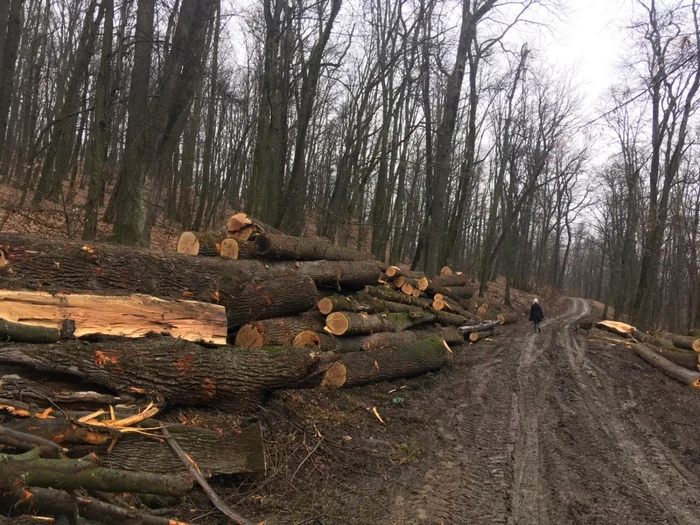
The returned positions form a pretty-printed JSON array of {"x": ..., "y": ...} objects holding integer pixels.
[
  {"x": 122, "y": 335},
  {"x": 676, "y": 356}
]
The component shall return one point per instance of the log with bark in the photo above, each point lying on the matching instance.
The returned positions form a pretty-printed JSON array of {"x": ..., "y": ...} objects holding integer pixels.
[
  {"x": 687, "y": 342},
  {"x": 677, "y": 372},
  {"x": 305, "y": 249},
  {"x": 277, "y": 331},
  {"x": 70, "y": 267},
  {"x": 26, "y": 333},
  {"x": 176, "y": 371},
  {"x": 382, "y": 340},
  {"x": 352, "y": 323},
  {"x": 206, "y": 244},
  {"x": 273, "y": 298},
  {"x": 652, "y": 340},
  {"x": 242, "y": 221},
  {"x": 483, "y": 334},
  {"x": 123, "y": 316},
  {"x": 685, "y": 358},
  {"x": 359, "y": 368},
  {"x": 508, "y": 317},
  {"x": 479, "y": 327}
]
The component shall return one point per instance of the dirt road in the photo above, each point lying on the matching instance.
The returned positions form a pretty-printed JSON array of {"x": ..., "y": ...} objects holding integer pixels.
[{"x": 541, "y": 433}]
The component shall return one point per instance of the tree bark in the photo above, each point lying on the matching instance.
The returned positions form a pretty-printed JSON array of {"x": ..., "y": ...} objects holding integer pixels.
[
  {"x": 54, "y": 266},
  {"x": 351, "y": 323},
  {"x": 273, "y": 298},
  {"x": 305, "y": 249},
  {"x": 388, "y": 340},
  {"x": 179, "y": 372},
  {"x": 687, "y": 342},
  {"x": 483, "y": 334},
  {"x": 672, "y": 370},
  {"x": 478, "y": 327},
  {"x": 277, "y": 331},
  {"x": 360, "y": 368},
  {"x": 206, "y": 244}
]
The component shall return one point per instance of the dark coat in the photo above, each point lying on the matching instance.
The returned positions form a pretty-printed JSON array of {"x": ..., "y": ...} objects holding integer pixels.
[{"x": 536, "y": 313}]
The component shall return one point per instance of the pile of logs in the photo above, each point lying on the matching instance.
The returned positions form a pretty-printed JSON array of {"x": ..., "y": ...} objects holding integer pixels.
[{"x": 99, "y": 339}]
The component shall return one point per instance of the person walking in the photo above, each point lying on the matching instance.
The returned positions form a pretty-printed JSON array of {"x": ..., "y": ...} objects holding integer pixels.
[{"x": 536, "y": 315}]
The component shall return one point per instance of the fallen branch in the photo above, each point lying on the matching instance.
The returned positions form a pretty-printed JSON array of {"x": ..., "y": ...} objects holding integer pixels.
[{"x": 672, "y": 370}]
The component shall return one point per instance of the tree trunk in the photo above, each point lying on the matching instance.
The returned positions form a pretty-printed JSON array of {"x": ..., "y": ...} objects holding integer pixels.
[
  {"x": 55, "y": 266},
  {"x": 179, "y": 372},
  {"x": 672, "y": 370},
  {"x": 478, "y": 327},
  {"x": 386, "y": 340},
  {"x": 687, "y": 342},
  {"x": 305, "y": 248},
  {"x": 478, "y": 336},
  {"x": 273, "y": 298},
  {"x": 360, "y": 368},
  {"x": 279, "y": 331},
  {"x": 351, "y": 323},
  {"x": 11, "y": 38},
  {"x": 207, "y": 244}
]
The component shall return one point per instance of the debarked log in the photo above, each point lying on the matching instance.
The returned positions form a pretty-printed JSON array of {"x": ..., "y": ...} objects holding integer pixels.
[
  {"x": 72, "y": 267},
  {"x": 359, "y": 368},
  {"x": 179, "y": 372}
]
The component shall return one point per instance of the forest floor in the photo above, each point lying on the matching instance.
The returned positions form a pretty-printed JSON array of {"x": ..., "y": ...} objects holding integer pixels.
[{"x": 554, "y": 427}]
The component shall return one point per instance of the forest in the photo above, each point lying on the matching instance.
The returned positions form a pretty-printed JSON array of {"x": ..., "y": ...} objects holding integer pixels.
[{"x": 426, "y": 132}]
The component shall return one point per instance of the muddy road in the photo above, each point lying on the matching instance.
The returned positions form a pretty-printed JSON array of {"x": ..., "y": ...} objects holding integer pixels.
[
  {"x": 550, "y": 428},
  {"x": 546, "y": 434}
]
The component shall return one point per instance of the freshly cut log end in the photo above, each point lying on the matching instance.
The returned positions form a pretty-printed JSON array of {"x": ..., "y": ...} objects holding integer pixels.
[
  {"x": 399, "y": 281},
  {"x": 423, "y": 284},
  {"x": 416, "y": 293},
  {"x": 306, "y": 338},
  {"x": 243, "y": 234},
  {"x": 478, "y": 336},
  {"x": 438, "y": 304},
  {"x": 446, "y": 270},
  {"x": 439, "y": 297},
  {"x": 481, "y": 310},
  {"x": 508, "y": 318},
  {"x": 687, "y": 342},
  {"x": 249, "y": 336},
  {"x": 407, "y": 289},
  {"x": 188, "y": 244},
  {"x": 335, "y": 376},
  {"x": 393, "y": 271},
  {"x": 238, "y": 222},
  {"x": 677, "y": 372},
  {"x": 337, "y": 323},
  {"x": 325, "y": 306},
  {"x": 229, "y": 249}
]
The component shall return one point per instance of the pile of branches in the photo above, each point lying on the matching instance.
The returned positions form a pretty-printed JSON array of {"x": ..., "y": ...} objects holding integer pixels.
[{"x": 121, "y": 334}]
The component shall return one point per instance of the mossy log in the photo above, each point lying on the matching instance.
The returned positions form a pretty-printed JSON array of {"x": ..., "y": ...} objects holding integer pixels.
[
  {"x": 353, "y": 323},
  {"x": 483, "y": 334},
  {"x": 72, "y": 267},
  {"x": 508, "y": 317},
  {"x": 179, "y": 372},
  {"x": 383, "y": 340},
  {"x": 359, "y": 368},
  {"x": 72, "y": 474}
]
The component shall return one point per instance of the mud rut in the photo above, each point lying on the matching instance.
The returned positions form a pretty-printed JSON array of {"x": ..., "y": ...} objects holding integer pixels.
[{"x": 541, "y": 438}]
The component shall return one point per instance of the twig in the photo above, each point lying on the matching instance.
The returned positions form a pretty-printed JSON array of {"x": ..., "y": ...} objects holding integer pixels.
[
  {"x": 307, "y": 457},
  {"x": 194, "y": 472}
]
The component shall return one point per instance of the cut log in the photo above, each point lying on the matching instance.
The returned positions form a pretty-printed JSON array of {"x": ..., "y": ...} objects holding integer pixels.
[
  {"x": 463, "y": 292},
  {"x": 353, "y": 303},
  {"x": 59, "y": 502},
  {"x": 71, "y": 267},
  {"x": 383, "y": 340},
  {"x": 445, "y": 271},
  {"x": 269, "y": 299},
  {"x": 687, "y": 342},
  {"x": 479, "y": 327},
  {"x": 305, "y": 249},
  {"x": 685, "y": 358},
  {"x": 206, "y": 244},
  {"x": 123, "y": 316},
  {"x": 215, "y": 453},
  {"x": 238, "y": 221},
  {"x": 652, "y": 340},
  {"x": 478, "y": 336},
  {"x": 417, "y": 293},
  {"x": 508, "y": 317},
  {"x": 73, "y": 474},
  {"x": 351, "y": 323},
  {"x": 387, "y": 294},
  {"x": 229, "y": 249},
  {"x": 651, "y": 356},
  {"x": 616, "y": 327},
  {"x": 393, "y": 271},
  {"x": 407, "y": 289},
  {"x": 450, "y": 280},
  {"x": 27, "y": 333},
  {"x": 359, "y": 368},
  {"x": 179, "y": 372},
  {"x": 399, "y": 281},
  {"x": 243, "y": 234},
  {"x": 279, "y": 331},
  {"x": 306, "y": 338}
]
